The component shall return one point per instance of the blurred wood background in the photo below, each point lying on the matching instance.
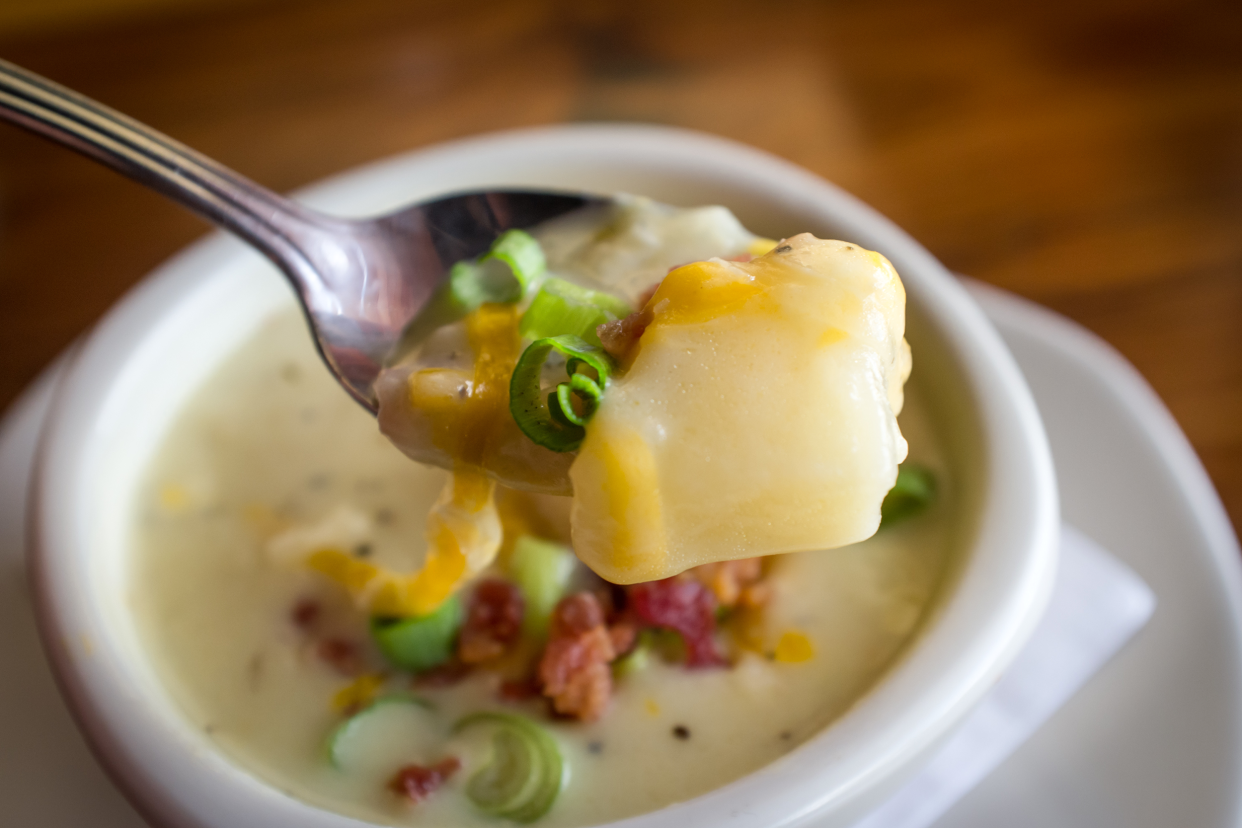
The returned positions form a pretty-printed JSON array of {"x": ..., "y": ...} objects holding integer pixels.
[{"x": 1087, "y": 155}]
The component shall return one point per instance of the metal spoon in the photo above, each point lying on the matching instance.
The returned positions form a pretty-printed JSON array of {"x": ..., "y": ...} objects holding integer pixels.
[{"x": 360, "y": 282}]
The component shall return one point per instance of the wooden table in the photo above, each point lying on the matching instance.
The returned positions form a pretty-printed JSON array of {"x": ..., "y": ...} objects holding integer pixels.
[{"x": 1088, "y": 156}]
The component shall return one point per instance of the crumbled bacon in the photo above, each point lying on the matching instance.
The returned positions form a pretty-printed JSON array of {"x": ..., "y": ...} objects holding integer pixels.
[
  {"x": 343, "y": 656},
  {"x": 734, "y": 582},
  {"x": 623, "y": 634},
  {"x": 493, "y": 623},
  {"x": 305, "y": 614},
  {"x": 574, "y": 668},
  {"x": 620, "y": 335},
  {"x": 417, "y": 782},
  {"x": 685, "y": 606}
]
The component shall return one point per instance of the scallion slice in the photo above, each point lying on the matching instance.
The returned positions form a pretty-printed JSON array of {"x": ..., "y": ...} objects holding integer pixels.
[
  {"x": 513, "y": 265},
  {"x": 420, "y": 643},
  {"x": 561, "y": 307},
  {"x": 555, "y": 421},
  {"x": 913, "y": 492},
  {"x": 353, "y": 744},
  {"x": 526, "y": 771}
]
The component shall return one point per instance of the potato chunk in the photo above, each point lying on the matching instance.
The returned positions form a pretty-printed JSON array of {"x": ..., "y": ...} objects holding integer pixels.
[{"x": 757, "y": 415}]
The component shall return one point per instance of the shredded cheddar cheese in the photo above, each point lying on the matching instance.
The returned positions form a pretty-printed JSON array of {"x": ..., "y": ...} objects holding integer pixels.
[
  {"x": 463, "y": 527},
  {"x": 358, "y": 693},
  {"x": 794, "y": 647}
]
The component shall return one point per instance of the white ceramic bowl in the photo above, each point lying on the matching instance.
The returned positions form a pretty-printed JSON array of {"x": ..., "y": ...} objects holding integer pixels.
[{"x": 135, "y": 370}]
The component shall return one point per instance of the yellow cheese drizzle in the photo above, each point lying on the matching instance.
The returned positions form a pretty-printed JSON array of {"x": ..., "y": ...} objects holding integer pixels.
[
  {"x": 358, "y": 693},
  {"x": 463, "y": 527},
  {"x": 793, "y": 648}
]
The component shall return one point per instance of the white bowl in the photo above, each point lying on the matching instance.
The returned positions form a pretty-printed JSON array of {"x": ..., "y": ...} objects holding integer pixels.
[{"x": 139, "y": 365}]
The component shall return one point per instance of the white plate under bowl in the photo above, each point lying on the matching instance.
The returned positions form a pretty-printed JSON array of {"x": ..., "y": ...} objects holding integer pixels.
[{"x": 1153, "y": 741}]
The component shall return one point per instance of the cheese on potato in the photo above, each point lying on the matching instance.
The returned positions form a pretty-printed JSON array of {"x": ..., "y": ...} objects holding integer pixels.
[{"x": 757, "y": 415}]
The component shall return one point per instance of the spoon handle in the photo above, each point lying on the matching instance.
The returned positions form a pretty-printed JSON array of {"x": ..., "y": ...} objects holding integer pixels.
[{"x": 215, "y": 192}]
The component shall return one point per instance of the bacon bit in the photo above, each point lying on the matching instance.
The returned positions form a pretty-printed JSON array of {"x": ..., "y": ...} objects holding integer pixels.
[
  {"x": 685, "y": 606},
  {"x": 620, "y": 335},
  {"x": 623, "y": 635},
  {"x": 493, "y": 623},
  {"x": 416, "y": 782},
  {"x": 341, "y": 655},
  {"x": 574, "y": 668},
  {"x": 305, "y": 614},
  {"x": 729, "y": 581}
]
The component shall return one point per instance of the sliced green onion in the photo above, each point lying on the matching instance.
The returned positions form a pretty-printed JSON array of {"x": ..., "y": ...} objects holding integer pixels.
[
  {"x": 526, "y": 771},
  {"x": 421, "y": 643},
  {"x": 353, "y": 742},
  {"x": 519, "y": 250},
  {"x": 553, "y": 422},
  {"x": 562, "y": 307},
  {"x": 588, "y": 393},
  {"x": 514, "y": 264},
  {"x": 913, "y": 492},
  {"x": 542, "y": 570}
]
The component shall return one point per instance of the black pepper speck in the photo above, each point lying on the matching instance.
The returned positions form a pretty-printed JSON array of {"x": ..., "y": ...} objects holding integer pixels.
[{"x": 681, "y": 732}]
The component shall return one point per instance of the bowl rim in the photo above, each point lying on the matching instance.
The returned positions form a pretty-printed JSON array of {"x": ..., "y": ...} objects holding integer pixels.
[{"x": 904, "y": 716}]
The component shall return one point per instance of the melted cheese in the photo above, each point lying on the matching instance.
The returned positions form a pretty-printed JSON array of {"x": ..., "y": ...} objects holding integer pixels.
[
  {"x": 757, "y": 415},
  {"x": 463, "y": 527}
]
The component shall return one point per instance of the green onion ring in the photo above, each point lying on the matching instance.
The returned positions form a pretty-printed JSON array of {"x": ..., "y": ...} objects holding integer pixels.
[
  {"x": 473, "y": 283},
  {"x": 561, "y": 307},
  {"x": 552, "y": 422}
]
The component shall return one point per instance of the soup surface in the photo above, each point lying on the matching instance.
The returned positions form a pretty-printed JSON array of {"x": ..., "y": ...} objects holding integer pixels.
[{"x": 270, "y": 456}]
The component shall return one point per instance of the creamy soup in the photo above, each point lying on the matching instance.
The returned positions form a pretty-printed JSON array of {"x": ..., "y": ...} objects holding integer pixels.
[{"x": 268, "y": 657}]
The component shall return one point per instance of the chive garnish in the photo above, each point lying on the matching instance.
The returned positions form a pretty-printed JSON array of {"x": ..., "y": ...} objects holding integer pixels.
[
  {"x": 561, "y": 307},
  {"x": 513, "y": 265},
  {"x": 556, "y": 421}
]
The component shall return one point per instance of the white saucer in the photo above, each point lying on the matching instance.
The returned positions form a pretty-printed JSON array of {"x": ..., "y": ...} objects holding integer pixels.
[{"x": 1153, "y": 741}]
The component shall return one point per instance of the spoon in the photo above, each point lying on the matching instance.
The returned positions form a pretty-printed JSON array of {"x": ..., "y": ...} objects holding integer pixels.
[{"x": 360, "y": 282}]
